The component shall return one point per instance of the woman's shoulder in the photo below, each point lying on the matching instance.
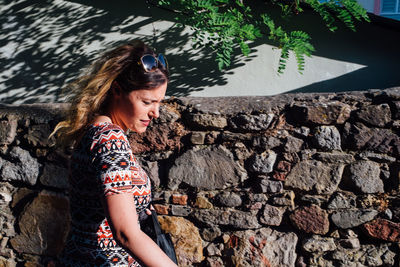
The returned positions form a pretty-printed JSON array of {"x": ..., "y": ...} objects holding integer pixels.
[{"x": 106, "y": 132}]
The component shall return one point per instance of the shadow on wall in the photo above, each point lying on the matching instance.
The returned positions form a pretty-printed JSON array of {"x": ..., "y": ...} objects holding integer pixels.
[{"x": 45, "y": 45}]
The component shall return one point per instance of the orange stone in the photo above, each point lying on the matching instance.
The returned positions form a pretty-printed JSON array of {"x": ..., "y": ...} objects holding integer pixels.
[
  {"x": 179, "y": 199},
  {"x": 161, "y": 209}
]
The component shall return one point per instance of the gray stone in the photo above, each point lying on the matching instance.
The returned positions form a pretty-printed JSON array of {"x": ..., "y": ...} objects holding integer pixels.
[
  {"x": 269, "y": 186},
  {"x": 327, "y": 138},
  {"x": 396, "y": 114},
  {"x": 24, "y": 167},
  {"x": 364, "y": 177},
  {"x": 352, "y": 243},
  {"x": 319, "y": 244},
  {"x": 293, "y": 144},
  {"x": 229, "y": 199},
  {"x": 54, "y": 176},
  {"x": 251, "y": 122},
  {"x": 152, "y": 170},
  {"x": 207, "y": 121},
  {"x": 213, "y": 250},
  {"x": 389, "y": 258},
  {"x": 43, "y": 225},
  {"x": 210, "y": 168},
  {"x": 5, "y": 198},
  {"x": 343, "y": 200},
  {"x": 284, "y": 199},
  {"x": 351, "y": 218},
  {"x": 210, "y": 234},
  {"x": 303, "y": 131},
  {"x": 333, "y": 112},
  {"x": 197, "y": 138},
  {"x": 376, "y": 156},
  {"x": 266, "y": 142},
  {"x": 233, "y": 218},
  {"x": 334, "y": 157},
  {"x": 262, "y": 247},
  {"x": 178, "y": 210},
  {"x": 263, "y": 163},
  {"x": 314, "y": 175},
  {"x": 375, "y": 115},
  {"x": 228, "y": 136},
  {"x": 8, "y": 131},
  {"x": 168, "y": 113},
  {"x": 272, "y": 215},
  {"x": 315, "y": 199},
  {"x": 357, "y": 137},
  {"x": 38, "y": 135}
]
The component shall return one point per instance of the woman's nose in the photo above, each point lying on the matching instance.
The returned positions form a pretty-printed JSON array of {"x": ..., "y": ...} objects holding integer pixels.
[{"x": 155, "y": 113}]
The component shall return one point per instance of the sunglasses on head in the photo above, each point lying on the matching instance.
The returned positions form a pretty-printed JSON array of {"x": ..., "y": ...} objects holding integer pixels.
[{"x": 151, "y": 63}]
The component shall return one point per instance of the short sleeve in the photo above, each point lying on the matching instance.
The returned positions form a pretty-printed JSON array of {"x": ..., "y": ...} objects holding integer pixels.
[{"x": 112, "y": 162}]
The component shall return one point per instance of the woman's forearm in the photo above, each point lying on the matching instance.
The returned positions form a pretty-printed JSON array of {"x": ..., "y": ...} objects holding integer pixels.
[{"x": 142, "y": 247}]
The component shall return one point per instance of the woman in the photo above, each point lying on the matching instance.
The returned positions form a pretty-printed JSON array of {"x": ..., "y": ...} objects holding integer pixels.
[{"x": 108, "y": 187}]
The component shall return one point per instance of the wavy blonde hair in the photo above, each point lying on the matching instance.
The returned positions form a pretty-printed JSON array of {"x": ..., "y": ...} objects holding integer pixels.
[{"x": 90, "y": 93}]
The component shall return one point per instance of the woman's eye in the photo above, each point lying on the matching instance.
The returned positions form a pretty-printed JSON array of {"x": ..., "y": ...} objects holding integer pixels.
[{"x": 146, "y": 102}]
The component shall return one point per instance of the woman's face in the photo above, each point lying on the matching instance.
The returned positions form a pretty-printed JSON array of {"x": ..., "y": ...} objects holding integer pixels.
[{"x": 136, "y": 109}]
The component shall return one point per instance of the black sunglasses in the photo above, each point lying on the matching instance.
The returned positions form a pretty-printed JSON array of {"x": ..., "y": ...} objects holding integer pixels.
[{"x": 150, "y": 62}]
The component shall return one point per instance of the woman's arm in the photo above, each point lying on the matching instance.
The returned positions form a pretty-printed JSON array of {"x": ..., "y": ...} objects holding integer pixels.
[{"x": 123, "y": 220}]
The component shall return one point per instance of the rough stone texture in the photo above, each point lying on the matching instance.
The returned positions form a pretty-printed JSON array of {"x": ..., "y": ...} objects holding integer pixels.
[
  {"x": 165, "y": 136},
  {"x": 375, "y": 115},
  {"x": 43, "y": 225},
  {"x": 321, "y": 113},
  {"x": 206, "y": 169},
  {"x": 234, "y": 218},
  {"x": 198, "y": 138},
  {"x": 364, "y": 177},
  {"x": 264, "y": 163},
  {"x": 284, "y": 199},
  {"x": 23, "y": 167},
  {"x": 376, "y": 156},
  {"x": 210, "y": 234},
  {"x": 54, "y": 176},
  {"x": 251, "y": 122},
  {"x": 351, "y": 218},
  {"x": 152, "y": 170},
  {"x": 202, "y": 202},
  {"x": 357, "y": 136},
  {"x": 319, "y": 244},
  {"x": 8, "y": 130},
  {"x": 263, "y": 247},
  {"x": 334, "y": 157},
  {"x": 179, "y": 199},
  {"x": 38, "y": 135},
  {"x": 186, "y": 239},
  {"x": 343, "y": 200},
  {"x": 293, "y": 144},
  {"x": 315, "y": 175},
  {"x": 383, "y": 229},
  {"x": 269, "y": 186},
  {"x": 272, "y": 215},
  {"x": 229, "y": 199},
  {"x": 266, "y": 142},
  {"x": 180, "y": 210},
  {"x": 207, "y": 121},
  {"x": 310, "y": 219},
  {"x": 327, "y": 138}
]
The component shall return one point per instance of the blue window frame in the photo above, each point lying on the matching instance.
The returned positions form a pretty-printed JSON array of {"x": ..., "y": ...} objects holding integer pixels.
[{"x": 389, "y": 7}]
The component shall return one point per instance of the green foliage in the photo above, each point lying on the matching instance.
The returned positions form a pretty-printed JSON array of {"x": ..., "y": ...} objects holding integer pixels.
[{"x": 225, "y": 25}]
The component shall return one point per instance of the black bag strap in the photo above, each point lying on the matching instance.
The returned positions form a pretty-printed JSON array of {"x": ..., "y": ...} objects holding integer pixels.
[{"x": 157, "y": 226}]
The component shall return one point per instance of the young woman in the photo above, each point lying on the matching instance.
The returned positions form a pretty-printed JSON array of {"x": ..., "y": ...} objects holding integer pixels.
[{"x": 123, "y": 91}]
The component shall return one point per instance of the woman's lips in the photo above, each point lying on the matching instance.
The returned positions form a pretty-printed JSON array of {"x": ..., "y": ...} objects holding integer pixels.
[{"x": 145, "y": 122}]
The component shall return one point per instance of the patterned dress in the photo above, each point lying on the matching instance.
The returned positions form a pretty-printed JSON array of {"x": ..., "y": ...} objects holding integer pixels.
[{"x": 102, "y": 165}]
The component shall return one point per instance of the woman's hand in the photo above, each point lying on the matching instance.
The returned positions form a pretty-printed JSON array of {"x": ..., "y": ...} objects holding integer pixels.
[{"x": 148, "y": 211}]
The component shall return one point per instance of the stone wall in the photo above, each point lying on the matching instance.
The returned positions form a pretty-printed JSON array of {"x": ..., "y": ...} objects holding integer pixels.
[{"x": 290, "y": 180}]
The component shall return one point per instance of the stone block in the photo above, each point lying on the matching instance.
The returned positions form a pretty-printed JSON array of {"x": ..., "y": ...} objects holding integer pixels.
[
  {"x": 263, "y": 163},
  {"x": 319, "y": 244},
  {"x": 8, "y": 131},
  {"x": 229, "y": 199},
  {"x": 233, "y": 218},
  {"x": 327, "y": 138},
  {"x": 44, "y": 225},
  {"x": 197, "y": 138},
  {"x": 206, "y": 121},
  {"x": 314, "y": 175},
  {"x": 161, "y": 209},
  {"x": 185, "y": 237},
  {"x": 182, "y": 211},
  {"x": 375, "y": 115},
  {"x": 246, "y": 122},
  {"x": 54, "y": 176},
  {"x": 179, "y": 199},
  {"x": 345, "y": 219},
  {"x": 383, "y": 229},
  {"x": 272, "y": 215},
  {"x": 364, "y": 177},
  {"x": 24, "y": 167},
  {"x": 209, "y": 169},
  {"x": 310, "y": 219},
  {"x": 333, "y": 112}
]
